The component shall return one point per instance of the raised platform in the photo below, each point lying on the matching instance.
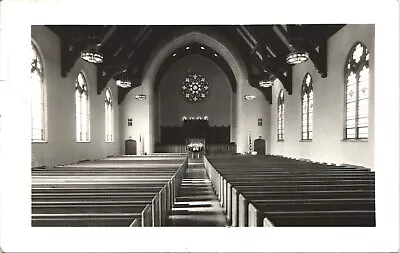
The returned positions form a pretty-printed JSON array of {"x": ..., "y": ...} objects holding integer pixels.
[{"x": 212, "y": 149}]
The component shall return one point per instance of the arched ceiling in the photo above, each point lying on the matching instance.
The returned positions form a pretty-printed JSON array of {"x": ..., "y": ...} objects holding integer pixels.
[
  {"x": 195, "y": 49},
  {"x": 263, "y": 48}
]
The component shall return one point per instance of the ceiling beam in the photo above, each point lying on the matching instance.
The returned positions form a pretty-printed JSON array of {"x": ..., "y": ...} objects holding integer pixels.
[
  {"x": 108, "y": 34},
  {"x": 269, "y": 61},
  {"x": 104, "y": 76},
  {"x": 69, "y": 54},
  {"x": 282, "y": 34},
  {"x": 247, "y": 50},
  {"x": 244, "y": 37},
  {"x": 128, "y": 48},
  {"x": 117, "y": 56},
  {"x": 249, "y": 35},
  {"x": 320, "y": 59},
  {"x": 138, "y": 43},
  {"x": 300, "y": 37},
  {"x": 73, "y": 42},
  {"x": 122, "y": 92},
  {"x": 106, "y": 73},
  {"x": 140, "y": 34},
  {"x": 267, "y": 92},
  {"x": 118, "y": 50}
]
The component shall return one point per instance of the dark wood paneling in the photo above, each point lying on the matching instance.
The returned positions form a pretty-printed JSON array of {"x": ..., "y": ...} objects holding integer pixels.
[{"x": 195, "y": 129}]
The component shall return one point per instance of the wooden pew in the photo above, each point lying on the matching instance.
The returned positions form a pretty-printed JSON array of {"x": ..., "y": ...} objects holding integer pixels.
[
  {"x": 268, "y": 181},
  {"x": 354, "y": 218},
  {"x": 228, "y": 199},
  {"x": 259, "y": 209},
  {"x": 69, "y": 220},
  {"x": 150, "y": 200}
]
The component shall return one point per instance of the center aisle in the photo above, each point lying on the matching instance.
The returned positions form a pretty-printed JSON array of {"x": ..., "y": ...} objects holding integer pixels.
[{"x": 197, "y": 204}]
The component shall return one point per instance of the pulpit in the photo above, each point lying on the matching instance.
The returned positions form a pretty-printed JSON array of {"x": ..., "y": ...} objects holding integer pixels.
[{"x": 195, "y": 147}]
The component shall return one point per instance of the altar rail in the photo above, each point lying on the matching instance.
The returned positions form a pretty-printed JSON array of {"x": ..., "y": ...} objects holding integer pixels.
[{"x": 223, "y": 149}]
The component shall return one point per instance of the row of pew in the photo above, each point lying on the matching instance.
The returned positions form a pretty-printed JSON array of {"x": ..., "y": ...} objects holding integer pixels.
[
  {"x": 125, "y": 191},
  {"x": 259, "y": 191}
]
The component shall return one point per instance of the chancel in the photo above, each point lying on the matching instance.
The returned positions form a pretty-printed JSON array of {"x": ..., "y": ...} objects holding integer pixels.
[{"x": 203, "y": 125}]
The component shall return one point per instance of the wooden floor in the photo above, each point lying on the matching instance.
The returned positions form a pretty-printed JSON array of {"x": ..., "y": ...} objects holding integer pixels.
[{"x": 197, "y": 204}]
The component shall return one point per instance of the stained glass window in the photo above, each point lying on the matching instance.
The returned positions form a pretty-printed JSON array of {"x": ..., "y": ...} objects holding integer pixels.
[
  {"x": 109, "y": 117},
  {"x": 38, "y": 108},
  {"x": 281, "y": 116},
  {"x": 82, "y": 109},
  {"x": 357, "y": 92},
  {"x": 307, "y": 104},
  {"x": 195, "y": 88}
]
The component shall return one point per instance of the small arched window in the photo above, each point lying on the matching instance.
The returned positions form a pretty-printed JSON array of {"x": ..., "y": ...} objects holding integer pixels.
[
  {"x": 307, "y": 101},
  {"x": 281, "y": 116},
  {"x": 109, "y": 122},
  {"x": 38, "y": 108},
  {"x": 356, "y": 77},
  {"x": 82, "y": 109}
]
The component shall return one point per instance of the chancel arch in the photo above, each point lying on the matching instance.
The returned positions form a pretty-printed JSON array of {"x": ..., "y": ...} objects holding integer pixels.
[{"x": 148, "y": 109}]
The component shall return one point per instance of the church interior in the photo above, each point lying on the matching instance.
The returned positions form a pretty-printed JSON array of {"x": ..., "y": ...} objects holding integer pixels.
[{"x": 230, "y": 125}]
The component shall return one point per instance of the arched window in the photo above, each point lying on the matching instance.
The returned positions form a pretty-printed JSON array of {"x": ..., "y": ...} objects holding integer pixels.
[
  {"x": 281, "y": 116},
  {"x": 356, "y": 77},
  {"x": 82, "y": 109},
  {"x": 38, "y": 108},
  {"x": 109, "y": 117},
  {"x": 307, "y": 98}
]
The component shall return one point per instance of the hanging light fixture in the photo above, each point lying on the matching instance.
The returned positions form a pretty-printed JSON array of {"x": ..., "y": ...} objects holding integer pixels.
[
  {"x": 297, "y": 56},
  {"x": 141, "y": 96},
  {"x": 123, "y": 84},
  {"x": 91, "y": 53},
  {"x": 267, "y": 81},
  {"x": 123, "y": 81}
]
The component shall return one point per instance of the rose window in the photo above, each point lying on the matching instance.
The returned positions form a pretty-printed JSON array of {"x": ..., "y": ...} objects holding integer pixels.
[{"x": 195, "y": 88}]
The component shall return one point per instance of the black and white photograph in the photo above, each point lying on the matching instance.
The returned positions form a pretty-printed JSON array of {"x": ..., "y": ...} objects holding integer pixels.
[
  {"x": 263, "y": 133},
  {"x": 198, "y": 152}
]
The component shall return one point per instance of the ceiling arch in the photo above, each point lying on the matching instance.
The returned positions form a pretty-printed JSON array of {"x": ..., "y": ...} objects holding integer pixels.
[
  {"x": 194, "y": 36},
  {"x": 195, "y": 49}
]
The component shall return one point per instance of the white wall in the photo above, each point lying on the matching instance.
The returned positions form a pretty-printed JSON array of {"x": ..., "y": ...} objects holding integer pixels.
[
  {"x": 327, "y": 144},
  {"x": 174, "y": 106},
  {"x": 138, "y": 111},
  {"x": 249, "y": 111},
  {"x": 61, "y": 146}
]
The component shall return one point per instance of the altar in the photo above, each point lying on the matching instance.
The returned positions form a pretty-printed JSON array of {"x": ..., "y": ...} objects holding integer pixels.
[{"x": 195, "y": 147}]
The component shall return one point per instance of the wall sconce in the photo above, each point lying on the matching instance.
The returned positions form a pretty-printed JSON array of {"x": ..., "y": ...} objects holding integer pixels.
[{"x": 249, "y": 97}]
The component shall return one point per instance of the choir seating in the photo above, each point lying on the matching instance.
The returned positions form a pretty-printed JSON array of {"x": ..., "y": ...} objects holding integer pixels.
[
  {"x": 211, "y": 149},
  {"x": 277, "y": 191},
  {"x": 125, "y": 191}
]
